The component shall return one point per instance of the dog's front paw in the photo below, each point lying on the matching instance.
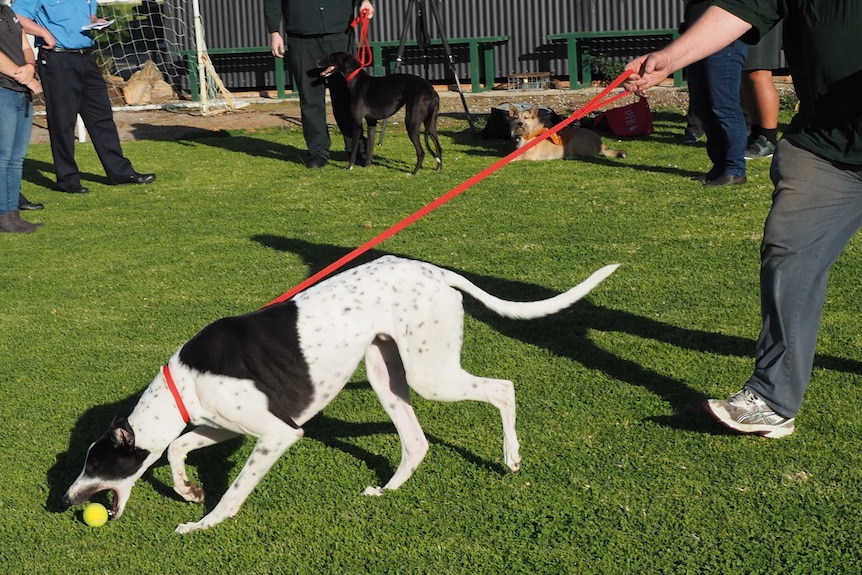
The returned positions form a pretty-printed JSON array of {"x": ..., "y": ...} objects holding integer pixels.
[
  {"x": 376, "y": 491},
  {"x": 512, "y": 456},
  {"x": 184, "y": 528},
  {"x": 191, "y": 492}
]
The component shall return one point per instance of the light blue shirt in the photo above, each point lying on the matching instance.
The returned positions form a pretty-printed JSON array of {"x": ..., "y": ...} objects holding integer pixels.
[{"x": 63, "y": 18}]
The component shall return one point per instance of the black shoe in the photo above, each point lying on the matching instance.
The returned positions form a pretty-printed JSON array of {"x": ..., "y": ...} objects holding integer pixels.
[
  {"x": 316, "y": 163},
  {"x": 28, "y": 205},
  {"x": 137, "y": 178},
  {"x": 707, "y": 177},
  {"x": 78, "y": 190},
  {"x": 726, "y": 180}
]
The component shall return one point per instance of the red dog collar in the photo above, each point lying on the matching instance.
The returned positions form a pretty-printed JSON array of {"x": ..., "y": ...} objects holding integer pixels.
[
  {"x": 354, "y": 74},
  {"x": 166, "y": 372}
]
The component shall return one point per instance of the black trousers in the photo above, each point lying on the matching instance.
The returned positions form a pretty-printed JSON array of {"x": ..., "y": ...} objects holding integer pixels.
[
  {"x": 73, "y": 85},
  {"x": 303, "y": 53}
]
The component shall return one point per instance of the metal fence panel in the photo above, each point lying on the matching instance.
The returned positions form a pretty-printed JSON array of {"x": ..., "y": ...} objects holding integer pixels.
[{"x": 239, "y": 23}]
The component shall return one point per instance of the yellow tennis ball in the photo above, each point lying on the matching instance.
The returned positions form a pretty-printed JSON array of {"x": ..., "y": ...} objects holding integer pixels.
[{"x": 95, "y": 515}]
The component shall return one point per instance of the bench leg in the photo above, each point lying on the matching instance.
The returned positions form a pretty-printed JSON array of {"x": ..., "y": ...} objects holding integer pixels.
[
  {"x": 581, "y": 57},
  {"x": 475, "y": 72},
  {"x": 488, "y": 62},
  {"x": 194, "y": 87}
]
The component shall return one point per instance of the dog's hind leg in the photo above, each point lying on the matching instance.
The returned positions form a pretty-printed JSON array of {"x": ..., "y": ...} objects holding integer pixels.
[
  {"x": 356, "y": 135},
  {"x": 434, "y": 371},
  {"x": 413, "y": 115},
  {"x": 501, "y": 394},
  {"x": 386, "y": 376},
  {"x": 179, "y": 448},
  {"x": 369, "y": 148},
  {"x": 431, "y": 130},
  {"x": 278, "y": 437},
  {"x": 462, "y": 385}
]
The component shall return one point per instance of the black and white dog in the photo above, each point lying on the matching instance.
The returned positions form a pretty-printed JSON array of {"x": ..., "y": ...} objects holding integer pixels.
[
  {"x": 266, "y": 373},
  {"x": 373, "y": 99}
]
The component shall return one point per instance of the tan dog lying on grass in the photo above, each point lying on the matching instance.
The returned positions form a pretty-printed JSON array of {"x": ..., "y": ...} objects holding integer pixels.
[{"x": 570, "y": 143}]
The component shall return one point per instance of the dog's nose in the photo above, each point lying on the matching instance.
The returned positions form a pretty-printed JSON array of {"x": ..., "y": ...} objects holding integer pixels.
[{"x": 66, "y": 502}]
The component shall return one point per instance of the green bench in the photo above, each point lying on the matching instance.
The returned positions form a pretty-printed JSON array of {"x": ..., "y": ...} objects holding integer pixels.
[
  {"x": 579, "y": 54},
  {"x": 191, "y": 57},
  {"x": 481, "y": 57},
  {"x": 384, "y": 60}
]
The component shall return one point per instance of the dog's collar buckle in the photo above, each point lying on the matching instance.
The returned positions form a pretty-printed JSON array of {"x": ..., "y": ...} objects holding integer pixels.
[{"x": 172, "y": 387}]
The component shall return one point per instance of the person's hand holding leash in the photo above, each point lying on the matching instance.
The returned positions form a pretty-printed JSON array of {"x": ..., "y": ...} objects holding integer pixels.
[{"x": 651, "y": 70}]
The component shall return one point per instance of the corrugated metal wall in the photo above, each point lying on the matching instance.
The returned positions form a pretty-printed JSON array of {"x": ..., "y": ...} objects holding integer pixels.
[{"x": 234, "y": 23}]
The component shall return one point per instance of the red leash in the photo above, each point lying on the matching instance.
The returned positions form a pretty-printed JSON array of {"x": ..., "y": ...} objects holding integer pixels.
[
  {"x": 592, "y": 105},
  {"x": 363, "y": 46}
]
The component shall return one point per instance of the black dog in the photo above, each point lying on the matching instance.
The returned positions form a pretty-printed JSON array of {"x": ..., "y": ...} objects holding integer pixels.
[{"x": 374, "y": 99}]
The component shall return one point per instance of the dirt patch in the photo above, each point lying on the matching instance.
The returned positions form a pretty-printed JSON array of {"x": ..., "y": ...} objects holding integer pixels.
[{"x": 187, "y": 122}]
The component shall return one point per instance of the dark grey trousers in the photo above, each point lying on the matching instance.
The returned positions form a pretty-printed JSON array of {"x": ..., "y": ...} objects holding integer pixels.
[{"x": 816, "y": 210}]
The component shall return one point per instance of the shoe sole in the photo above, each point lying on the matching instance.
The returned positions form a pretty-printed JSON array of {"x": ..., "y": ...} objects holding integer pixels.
[
  {"x": 753, "y": 157},
  {"x": 716, "y": 410}
]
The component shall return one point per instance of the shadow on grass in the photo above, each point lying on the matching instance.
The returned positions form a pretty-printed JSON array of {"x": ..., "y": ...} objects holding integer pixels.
[
  {"x": 258, "y": 147},
  {"x": 41, "y": 175},
  {"x": 264, "y": 148}
]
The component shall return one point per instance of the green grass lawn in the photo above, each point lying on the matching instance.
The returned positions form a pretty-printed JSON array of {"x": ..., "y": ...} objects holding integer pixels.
[{"x": 622, "y": 471}]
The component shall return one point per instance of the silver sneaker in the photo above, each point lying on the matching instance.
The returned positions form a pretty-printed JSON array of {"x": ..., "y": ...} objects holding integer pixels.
[
  {"x": 746, "y": 413},
  {"x": 760, "y": 147}
]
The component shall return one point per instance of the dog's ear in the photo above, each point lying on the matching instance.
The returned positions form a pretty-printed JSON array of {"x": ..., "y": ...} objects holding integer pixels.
[
  {"x": 534, "y": 111},
  {"x": 121, "y": 433},
  {"x": 513, "y": 111}
]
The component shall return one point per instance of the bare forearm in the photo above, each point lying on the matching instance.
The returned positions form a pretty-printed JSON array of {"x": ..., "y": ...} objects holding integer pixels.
[
  {"x": 34, "y": 29},
  {"x": 7, "y": 66},
  {"x": 714, "y": 30}
]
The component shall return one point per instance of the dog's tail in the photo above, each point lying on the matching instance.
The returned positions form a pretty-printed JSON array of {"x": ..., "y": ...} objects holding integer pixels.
[
  {"x": 530, "y": 309},
  {"x": 609, "y": 153}
]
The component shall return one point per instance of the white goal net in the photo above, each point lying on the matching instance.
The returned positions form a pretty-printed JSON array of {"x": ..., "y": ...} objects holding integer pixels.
[{"x": 163, "y": 35}]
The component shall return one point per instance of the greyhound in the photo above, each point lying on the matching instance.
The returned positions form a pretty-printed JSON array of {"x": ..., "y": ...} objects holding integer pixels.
[
  {"x": 373, "y": 99},
  {"x": 266, "y": 373}
]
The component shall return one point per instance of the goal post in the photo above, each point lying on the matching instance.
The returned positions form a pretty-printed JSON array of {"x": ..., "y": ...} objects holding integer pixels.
[{"x": 166, "y": 33}]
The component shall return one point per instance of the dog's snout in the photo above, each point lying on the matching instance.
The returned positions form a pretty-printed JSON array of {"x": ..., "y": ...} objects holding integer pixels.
[{"x": 66, "y": 501}]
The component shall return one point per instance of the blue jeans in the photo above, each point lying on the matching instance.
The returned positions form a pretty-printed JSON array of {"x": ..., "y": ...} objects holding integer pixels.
[
  {"x": 816, "y": 210},
  {"x": 713, "y": 86},
  {"x": 16, "y": 111}
]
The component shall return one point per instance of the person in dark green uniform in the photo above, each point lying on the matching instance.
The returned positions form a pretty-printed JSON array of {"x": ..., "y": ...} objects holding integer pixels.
[
  {"x": 314, "y": 29},
  {"x": 817, "y": 174}
]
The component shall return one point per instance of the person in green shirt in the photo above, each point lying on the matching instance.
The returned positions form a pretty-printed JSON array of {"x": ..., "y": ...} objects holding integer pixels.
[
  {"x": 817, "y": 173},
  {"x": 314, "y": 29}
]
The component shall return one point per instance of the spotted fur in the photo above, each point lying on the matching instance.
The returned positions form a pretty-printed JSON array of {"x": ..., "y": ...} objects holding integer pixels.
[{"x": 266, "y": 373}]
